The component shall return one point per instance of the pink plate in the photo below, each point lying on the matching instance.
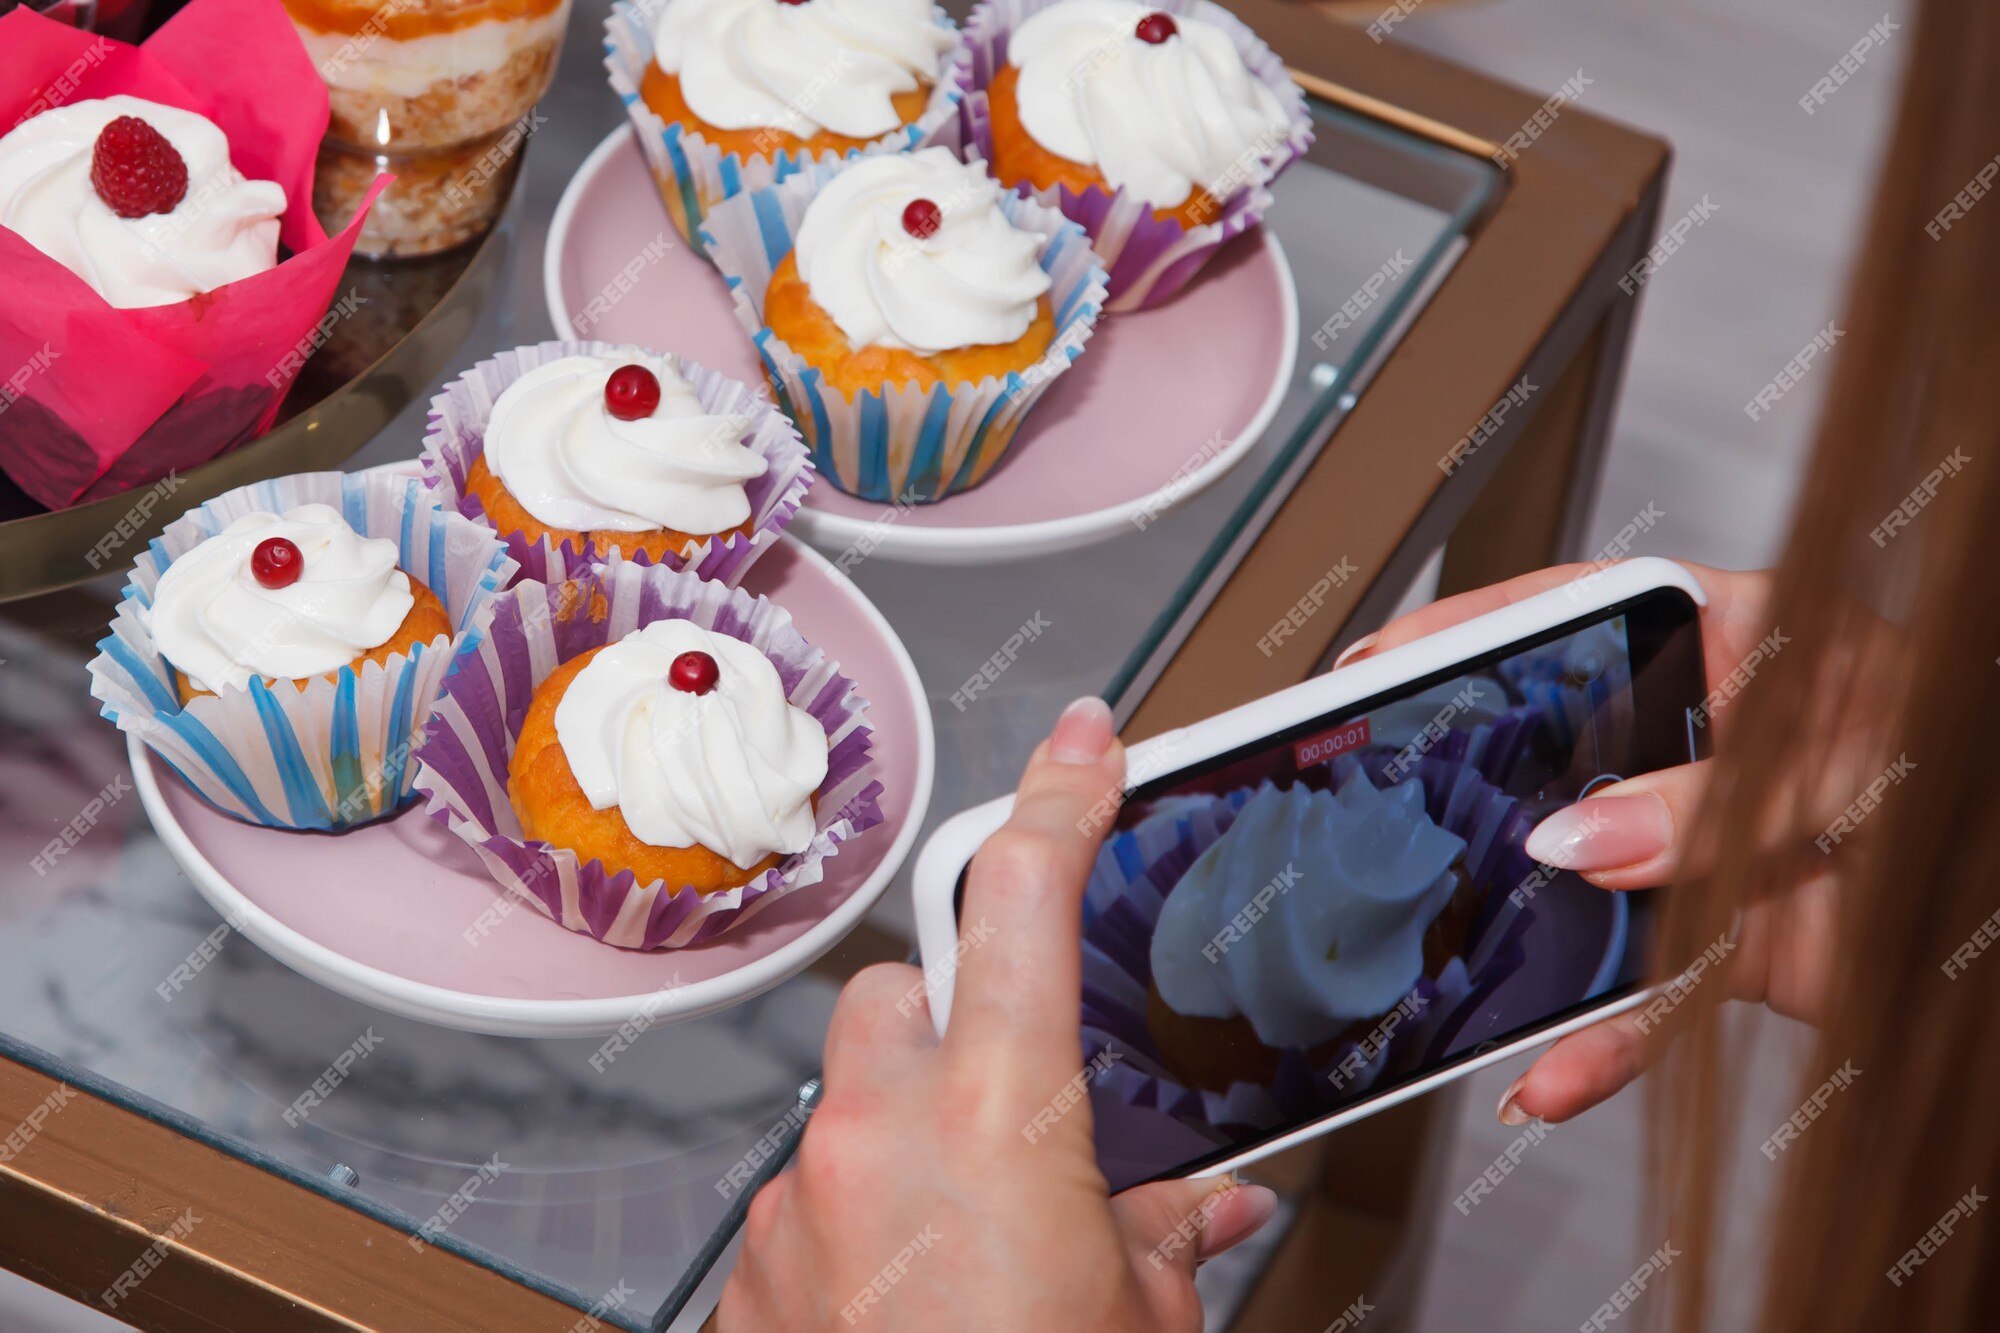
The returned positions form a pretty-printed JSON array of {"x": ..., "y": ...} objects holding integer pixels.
[
  {"x": 1105, "y": 445},
  {"x": 401, "y": 915}
]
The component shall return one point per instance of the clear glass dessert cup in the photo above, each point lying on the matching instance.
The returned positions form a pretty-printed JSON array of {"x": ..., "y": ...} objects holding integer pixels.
[{"x": 439, "y": 92}]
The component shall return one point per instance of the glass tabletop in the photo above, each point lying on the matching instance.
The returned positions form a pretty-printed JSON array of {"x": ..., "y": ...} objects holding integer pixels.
[{"x": 612, "y": 1187}]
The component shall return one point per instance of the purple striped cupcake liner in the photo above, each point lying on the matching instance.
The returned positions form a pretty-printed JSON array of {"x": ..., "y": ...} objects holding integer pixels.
[
  {"x": 694, "y": 175},
  {"x": 1149, "y": 259},
  {"x": 456, "y": 439},
  {"x": 901, "y": 444},
  {"x": 1137, "y": 868},
  {"x": 463, "y": 760},
  {"x": 333, "y": 752}
]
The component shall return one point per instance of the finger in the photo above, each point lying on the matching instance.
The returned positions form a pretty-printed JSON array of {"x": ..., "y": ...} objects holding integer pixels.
[
  {"x": 1635, "y": 834},
  {"x": 880, "y": 1023},
  {"x": 1172, "y": 1225},
  {"x": 1018, "y": 991},
  {"x": 1577, "y": 1073}
]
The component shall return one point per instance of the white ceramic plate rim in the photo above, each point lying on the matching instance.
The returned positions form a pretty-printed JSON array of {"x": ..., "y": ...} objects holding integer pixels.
[
  {"x": 507, "y": 1016},
  {"x": 950, "y": 546}
]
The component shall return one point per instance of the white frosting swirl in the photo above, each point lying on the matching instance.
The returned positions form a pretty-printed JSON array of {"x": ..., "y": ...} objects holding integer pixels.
[
  {"x": 800, "y": 68},
  {"x": 212, "y": 619},
  {"x": 733, "y": 770},
  {"x": 223, "y": 230},
  {"x": 1342, "y": 943},
  {"x": 973, "y": 281},
  {"x": 572, "y": 464},
  {"x": 1156, "y": 119}
]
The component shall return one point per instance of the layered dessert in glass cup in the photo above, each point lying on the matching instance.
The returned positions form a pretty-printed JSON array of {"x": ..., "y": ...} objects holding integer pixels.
[{"x": 440, "y": 92}]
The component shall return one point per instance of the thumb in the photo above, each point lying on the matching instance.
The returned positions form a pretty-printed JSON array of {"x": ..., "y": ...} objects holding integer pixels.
[{"x": 1172, "y": 1225}]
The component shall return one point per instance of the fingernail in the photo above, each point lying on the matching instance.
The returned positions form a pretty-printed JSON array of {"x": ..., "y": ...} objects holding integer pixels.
[
  {"x": 1603, "y": 833},
  {"x": 1083, "y": 733},
  {"x": 1355, "y": 649},
  {"x": 1509, "y": 1110},
  {"x": 1251, "y": 1207}
]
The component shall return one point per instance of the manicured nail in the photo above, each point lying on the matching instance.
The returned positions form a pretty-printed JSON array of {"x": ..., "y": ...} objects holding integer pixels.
[
  {"x": 1603, "y": 833},
  {"x": 1356, "y": 649},
  {"x": 1251, "y": 1206},
  {"x": 1509, "y": 1110},
  {"x": 1083, "y": 733}
]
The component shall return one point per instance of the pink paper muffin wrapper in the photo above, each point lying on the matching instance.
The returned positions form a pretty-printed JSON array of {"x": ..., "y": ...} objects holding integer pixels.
[
  {"x": 102, "y": 400},
  {"x": 536, "y": 628},
  {"x": 905, "y": 445},
  {"x": 694, "y": 175},
  {"x": 336, "y": 752},
  {"x": 457, "y": 438},
  {"x": 1149, "y": 259},
  {"x": 1138, "y": 867}
]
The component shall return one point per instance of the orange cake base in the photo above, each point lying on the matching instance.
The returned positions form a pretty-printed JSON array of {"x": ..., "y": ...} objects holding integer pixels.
[
  {"x": 806, "y": 327},
  {"x": 662, "y": 92},
  {"x": 506, "y": 515}
]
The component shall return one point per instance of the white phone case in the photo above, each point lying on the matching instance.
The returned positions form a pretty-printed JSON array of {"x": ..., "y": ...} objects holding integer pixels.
[{"x": 944, "y": 857}]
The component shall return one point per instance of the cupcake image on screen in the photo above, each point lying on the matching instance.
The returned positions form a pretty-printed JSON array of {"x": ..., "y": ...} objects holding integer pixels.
[{"x": 1358, "y": 882}]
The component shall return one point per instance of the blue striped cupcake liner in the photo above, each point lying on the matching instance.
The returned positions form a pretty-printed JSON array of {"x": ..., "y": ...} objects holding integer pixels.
[
  {"x": 693, "y": 175},
  {"x": 467, "y": 752},
  {"x": 456, "y": 439},
  {"x": 329, "y": 753},
  {"x": 902, "y": 445},
  {"x": 1149, "y": 259}
]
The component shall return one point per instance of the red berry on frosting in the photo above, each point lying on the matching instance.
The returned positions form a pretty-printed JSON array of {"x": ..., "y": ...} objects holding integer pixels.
[
  {"x": 1157, "y": 27},
  {"x": 135, "y": 170},
  {"x": 276, "y": 563},
  {"x": 693, "y": 672},
  {"x": 922, "y": 218},
  {"x": 631, "y": 393},
  {"x": 791, "y": 2}
]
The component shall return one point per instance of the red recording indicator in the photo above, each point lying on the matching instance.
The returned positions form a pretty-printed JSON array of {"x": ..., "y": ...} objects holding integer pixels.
[{"x": 1322, "y": 748}]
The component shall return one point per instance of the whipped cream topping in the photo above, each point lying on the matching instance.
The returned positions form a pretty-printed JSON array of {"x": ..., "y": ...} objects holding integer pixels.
[
  {"x": 800, "y": 68},
  {"x": 1356, "y": 876},
  {"x": 223, "y": 230},
  {"x": 572, "y": 464},
  {"x": 410, "y": 66},
  {"x": 212, "y": 619},
  {"x": 733, "y": 770},
  {"x": 973, "y": 281},
  {"x": 1156, "y": 119}
]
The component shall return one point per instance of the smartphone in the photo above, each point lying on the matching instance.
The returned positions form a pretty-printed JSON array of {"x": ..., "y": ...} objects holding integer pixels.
[{"x": 1318, "y": 905}]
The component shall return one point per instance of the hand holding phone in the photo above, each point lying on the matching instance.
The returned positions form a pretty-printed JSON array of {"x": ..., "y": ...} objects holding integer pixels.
[{"x": 1320, "y": 904}]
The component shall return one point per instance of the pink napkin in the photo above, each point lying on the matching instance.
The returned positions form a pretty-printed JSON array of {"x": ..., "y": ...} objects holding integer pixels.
[{"x": 95, "y": 399}]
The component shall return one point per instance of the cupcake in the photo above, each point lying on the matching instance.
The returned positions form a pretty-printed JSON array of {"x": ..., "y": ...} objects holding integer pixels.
[
  {"x": 1156, "y": 127},
  {"x": 287, "y": 597},
  {"x": 577, "y": 452},
  {"x": 138, "y": 199},
  {"x": 672, "y": 753},
  {"x": 165, "y": 271},
  {"x": 735, "y": 95},
  {"x": 1351, "y": 888},
  {"x": 282, "y": 645},
  {"x": 649, "y": 757},
  {"x": 909, "y": 311}
]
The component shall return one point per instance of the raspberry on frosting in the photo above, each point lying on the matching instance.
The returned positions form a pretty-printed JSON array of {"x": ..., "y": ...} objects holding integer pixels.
[{"x": 135, "y": 170}]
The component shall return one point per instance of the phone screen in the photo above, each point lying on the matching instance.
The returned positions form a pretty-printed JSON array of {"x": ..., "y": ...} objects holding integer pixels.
[{"x": 1312, "y": 920}]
